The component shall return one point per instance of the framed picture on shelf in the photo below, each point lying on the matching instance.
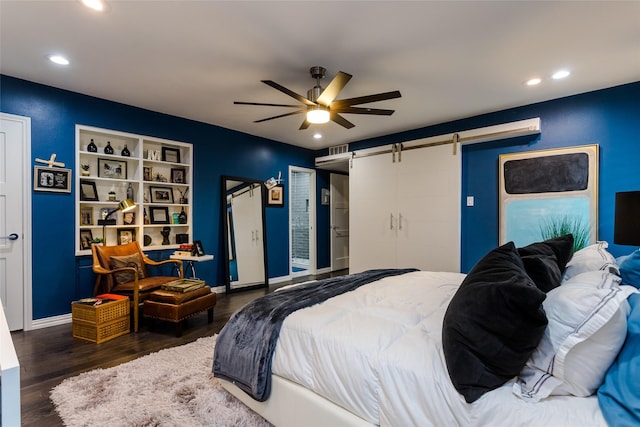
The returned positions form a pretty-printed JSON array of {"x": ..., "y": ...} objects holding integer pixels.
[
  {"x": 55, "y": 180},
  {"x": 275, "y": 196},
  {"x": 178, "y": 175},
  {"x": 126, "y": 235},
  {"x": 85, "y": 239},
  {"x": 161, "y": 194},
  {"x": 129, "y": 218},
  {"x": 159, "y": 215},
  {"x": 86, "y": 216},
  {"x": 112, "y": 168},
  {"x": 88, "y": 191},
  {"x": 198, "y": 250},
  {"x": 147, "y": 173},
  {"x": 170, "y": 155}
]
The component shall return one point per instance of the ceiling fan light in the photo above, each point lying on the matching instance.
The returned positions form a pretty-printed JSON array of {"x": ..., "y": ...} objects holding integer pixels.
[{"x": 318, "y": 116}]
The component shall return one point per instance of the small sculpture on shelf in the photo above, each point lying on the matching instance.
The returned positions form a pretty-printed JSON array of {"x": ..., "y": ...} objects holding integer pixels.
[
  {"x": 92, "y": 148},
  {"x": 130, "y": 194},
  {"x": 165, "y": 235},
  {"x": 108, "y": 149},
  {"x": 125, "y": 151},
  {"x": 183, "y": 196}
]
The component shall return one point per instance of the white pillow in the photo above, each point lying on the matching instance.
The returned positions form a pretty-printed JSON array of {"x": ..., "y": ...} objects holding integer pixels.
[
  {"x": 596, "y": 279},
  {"x": 592, "y": 258},
  {"x": 587, "y": 327}
]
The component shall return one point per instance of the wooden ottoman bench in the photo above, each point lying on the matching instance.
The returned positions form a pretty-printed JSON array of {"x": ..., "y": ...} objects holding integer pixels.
[{"x": 174, "y": 306}]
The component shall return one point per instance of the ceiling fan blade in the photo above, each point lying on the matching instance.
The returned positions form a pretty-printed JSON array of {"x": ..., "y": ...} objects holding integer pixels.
[
  {"x": 365, "y": 99},
  {"x": 304, "y": 125},
  {"x": 341, "y": 120},
  {"x": 281, "y": 115},
  {"x": 333, "y": 89},
  {"x": 364, "y": 110},
  {"x": 268, "y": 105},
  {"x": 291, "y": 93}
]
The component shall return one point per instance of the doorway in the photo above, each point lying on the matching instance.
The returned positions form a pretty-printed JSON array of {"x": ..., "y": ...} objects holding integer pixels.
[
  {"x": 302, "y": 221},
  {"x": 339, "y": 208},
  {"x": 15, "y": 219}
]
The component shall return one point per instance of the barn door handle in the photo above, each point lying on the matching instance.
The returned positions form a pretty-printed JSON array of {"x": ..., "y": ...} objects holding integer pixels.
[{"x": 12, "y": 236}]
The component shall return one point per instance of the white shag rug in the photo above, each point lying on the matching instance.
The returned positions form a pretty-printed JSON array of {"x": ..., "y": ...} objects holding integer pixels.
[{"x": 173, "y": 387}]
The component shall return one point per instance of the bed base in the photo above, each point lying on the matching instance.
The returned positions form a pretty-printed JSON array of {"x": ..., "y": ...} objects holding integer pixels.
[{"x": 291, "y": 405}]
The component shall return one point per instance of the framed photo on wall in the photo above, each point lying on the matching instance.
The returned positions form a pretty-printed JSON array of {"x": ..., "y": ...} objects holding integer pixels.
[
  {"x": 55, "y": 180},
  {"x": 275, "y": 196},
  {"x": 546, "y": 193}
]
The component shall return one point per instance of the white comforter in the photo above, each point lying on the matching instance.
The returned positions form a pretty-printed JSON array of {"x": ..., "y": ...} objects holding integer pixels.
[{"x": 377, "y": 352}]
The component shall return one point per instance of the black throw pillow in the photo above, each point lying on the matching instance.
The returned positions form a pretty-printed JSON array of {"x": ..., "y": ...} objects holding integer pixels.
[
  {"x": 546, "y": 261},
  {"x": 493, "y": 324}
]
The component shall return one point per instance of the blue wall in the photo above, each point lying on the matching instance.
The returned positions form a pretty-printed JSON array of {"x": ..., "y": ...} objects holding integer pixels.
[
  {"x": 606, "y": 117},
  {"x": 603, "y": 117},
  {"x": 58, "y": 276}
]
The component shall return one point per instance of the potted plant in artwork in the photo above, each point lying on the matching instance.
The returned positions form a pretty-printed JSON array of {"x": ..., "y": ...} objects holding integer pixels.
[{"x": 85, "y": 169}]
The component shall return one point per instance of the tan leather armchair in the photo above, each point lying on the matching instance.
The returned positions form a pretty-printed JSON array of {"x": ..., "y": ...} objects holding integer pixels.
[{"x": 122, "y": 270}]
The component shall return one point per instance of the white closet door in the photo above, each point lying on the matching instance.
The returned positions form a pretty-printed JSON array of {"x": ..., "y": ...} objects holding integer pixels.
[
  {"x": 429, "y": 207},
  {"x": 372, "y": 217}
]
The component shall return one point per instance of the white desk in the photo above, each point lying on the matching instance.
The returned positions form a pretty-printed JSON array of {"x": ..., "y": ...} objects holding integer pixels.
[{"x": 191, "y": 260}]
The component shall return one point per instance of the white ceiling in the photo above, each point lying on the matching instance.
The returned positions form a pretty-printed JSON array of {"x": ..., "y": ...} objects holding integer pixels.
[{"x": 449, "y": 59}]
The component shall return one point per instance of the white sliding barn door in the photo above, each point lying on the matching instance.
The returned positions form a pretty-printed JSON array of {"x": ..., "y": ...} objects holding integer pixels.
[
  {"x": 372, "y": 199},
  {"x": 429, "y": 207},
  {"x": 406, "y": 213}
]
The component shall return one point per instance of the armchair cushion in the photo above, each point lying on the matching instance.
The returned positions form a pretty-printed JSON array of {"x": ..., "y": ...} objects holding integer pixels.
[
  {"x": 132, "y": 260},
  {"x": 144, "y": 285}
]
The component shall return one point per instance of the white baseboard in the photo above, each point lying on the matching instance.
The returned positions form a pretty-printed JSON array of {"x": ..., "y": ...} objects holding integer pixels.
[
  {"x": 51, "y": 321},
  {"x": 280, "y": 279}
]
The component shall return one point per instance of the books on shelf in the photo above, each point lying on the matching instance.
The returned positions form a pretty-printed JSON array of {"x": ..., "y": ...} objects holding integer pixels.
[{"x": 182, "y": 253}]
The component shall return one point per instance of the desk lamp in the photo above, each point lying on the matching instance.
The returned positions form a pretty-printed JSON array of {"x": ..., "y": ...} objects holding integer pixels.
[{"x": 125, "y": 205}]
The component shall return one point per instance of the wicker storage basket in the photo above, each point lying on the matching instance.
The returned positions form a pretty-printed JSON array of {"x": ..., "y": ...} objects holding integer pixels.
[{"x": 102, "y": 322}]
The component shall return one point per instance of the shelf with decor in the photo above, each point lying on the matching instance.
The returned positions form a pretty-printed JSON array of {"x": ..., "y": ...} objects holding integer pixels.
[{"x": 156, "y": 174}]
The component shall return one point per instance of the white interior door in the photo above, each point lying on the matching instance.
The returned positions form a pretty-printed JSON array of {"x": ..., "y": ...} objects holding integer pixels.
[
  {"x": 372, "y": 214},
  {"x": 339, "y": 208},
  {"x": 428, "y": 207},
  {"x": 14, "y": 218}
]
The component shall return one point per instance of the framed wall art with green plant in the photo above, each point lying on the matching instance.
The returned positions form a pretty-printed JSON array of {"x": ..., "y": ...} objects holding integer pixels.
[{"x": 549, "y": 193}]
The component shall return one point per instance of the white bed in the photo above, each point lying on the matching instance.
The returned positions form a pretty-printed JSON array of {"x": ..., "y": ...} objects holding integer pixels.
[{"x": 374, "y": 356}]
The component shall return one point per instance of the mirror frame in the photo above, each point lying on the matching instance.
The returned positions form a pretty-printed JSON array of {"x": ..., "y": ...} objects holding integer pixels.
[{"x": 263, "y": 198}]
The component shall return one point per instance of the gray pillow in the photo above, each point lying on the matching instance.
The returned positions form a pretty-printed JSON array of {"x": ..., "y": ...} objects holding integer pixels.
[{"x": 127, "y": 261}]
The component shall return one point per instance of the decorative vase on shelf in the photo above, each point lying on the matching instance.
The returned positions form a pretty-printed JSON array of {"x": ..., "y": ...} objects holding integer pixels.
[
  {"x": 108, "y": 149},
  {"x": 130, "y": 194},
  {"x": 85, "y": 170},
  {"x": 125, "y": 151},
  {"x": 92, "y": 148},
  {"x": 182, "y": 217}
]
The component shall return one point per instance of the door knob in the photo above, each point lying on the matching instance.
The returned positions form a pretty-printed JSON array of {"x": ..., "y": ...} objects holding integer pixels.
[{"x": 12, "y": 236}]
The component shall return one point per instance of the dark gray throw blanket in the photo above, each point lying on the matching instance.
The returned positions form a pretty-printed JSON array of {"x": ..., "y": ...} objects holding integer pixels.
[{"x": 245, "y": 346}]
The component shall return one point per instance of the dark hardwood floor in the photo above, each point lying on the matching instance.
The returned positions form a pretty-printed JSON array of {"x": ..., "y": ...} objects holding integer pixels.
[{"x": 49, "y": 355}]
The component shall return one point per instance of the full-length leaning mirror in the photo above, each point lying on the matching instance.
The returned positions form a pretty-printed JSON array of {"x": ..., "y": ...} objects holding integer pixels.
[{"x": 245, "y": 238}]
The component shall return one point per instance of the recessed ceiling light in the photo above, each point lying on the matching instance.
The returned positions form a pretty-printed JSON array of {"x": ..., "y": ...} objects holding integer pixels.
[
  {"x": 98, "y": 5},
  {"x": 560, "y": 74},
  {"x": 534, "y": 81},
  {"x": 317, "y": 135},
  {"x": 58, "y": 59}
]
